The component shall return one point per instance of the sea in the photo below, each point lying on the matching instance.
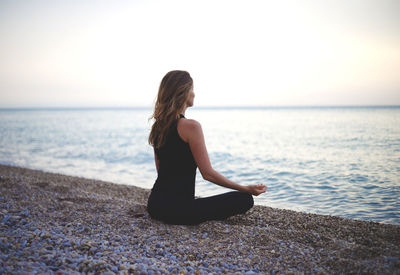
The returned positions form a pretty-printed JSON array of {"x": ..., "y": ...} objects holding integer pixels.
[{"x": 342, "y": 161}]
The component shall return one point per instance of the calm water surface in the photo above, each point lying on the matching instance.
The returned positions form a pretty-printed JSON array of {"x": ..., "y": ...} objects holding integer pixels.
[{"x": 335, "y": 161}]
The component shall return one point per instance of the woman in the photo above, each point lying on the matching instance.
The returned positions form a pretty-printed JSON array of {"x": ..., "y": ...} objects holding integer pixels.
[{"x": 179, "y": 148}]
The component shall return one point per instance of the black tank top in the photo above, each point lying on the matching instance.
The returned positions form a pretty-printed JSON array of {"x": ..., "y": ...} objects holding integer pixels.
[{"x": 176, "y": 166}]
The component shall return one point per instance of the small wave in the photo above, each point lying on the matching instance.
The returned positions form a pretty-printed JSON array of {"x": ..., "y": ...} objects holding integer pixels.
[
  {"x": 115, "y": 159},
  {"x": 70, "y": 155},
  {"x": 142, "y": 158},
  {"x": 287, "y": 174},
  {"x": 220, "y": 156},
  {"x": 358, "y": 178},
  {"x": 246, "y": 175},
  {"x": 332, "y": 178},
  {"x": 325, "y": 186},
  {"x": 281, "y": 174},
  {"x": 369, "y": 187}
]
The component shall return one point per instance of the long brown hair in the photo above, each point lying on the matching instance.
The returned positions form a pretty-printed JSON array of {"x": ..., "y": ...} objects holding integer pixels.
[{"x": 171, "y": 99}]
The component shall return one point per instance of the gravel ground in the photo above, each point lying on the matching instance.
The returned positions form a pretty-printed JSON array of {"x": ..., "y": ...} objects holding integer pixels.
[{"x": 56, "y": 224}]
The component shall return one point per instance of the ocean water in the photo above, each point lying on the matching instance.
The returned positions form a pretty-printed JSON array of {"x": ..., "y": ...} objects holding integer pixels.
[{"x": 340, "y": 161}]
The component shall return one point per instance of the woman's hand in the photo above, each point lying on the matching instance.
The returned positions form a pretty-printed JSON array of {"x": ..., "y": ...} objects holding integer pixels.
[{"x": 256, "y": 189}]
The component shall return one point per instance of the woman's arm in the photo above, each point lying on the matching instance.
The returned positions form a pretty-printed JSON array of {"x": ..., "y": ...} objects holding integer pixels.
[{"x": 191, "y": 132}]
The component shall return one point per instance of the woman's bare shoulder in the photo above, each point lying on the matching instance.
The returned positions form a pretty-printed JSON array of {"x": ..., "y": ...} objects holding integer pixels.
[
  {"x": 189, "y": 123},
  {"x": 188, "y": 128}
]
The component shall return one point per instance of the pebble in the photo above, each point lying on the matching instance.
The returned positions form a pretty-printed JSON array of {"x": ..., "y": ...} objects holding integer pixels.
[{"x": 88, "y": 228}]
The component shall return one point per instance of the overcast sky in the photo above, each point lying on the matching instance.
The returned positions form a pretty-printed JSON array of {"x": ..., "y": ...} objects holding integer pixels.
[{"x": 114, "y": 53}]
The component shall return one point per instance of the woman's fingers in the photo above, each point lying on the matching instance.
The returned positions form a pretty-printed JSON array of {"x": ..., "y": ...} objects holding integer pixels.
[{"x": 258, "y": 189}]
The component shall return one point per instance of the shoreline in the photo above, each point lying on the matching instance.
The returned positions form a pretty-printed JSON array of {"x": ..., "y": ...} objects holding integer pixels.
[{"x": 55, "y": 223}]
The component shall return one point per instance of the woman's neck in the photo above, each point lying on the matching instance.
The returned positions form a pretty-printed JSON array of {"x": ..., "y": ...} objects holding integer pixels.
[{"x": 183, "y": 111}]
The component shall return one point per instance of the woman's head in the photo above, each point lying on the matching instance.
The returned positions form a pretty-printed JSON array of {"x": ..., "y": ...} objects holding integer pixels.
[
  {"x": 174, "y": 91},
  {"x": 175, "y": 94}
]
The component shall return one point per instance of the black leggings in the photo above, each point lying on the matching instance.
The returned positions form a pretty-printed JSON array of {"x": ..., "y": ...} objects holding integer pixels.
[{"x": 175, "y": 210}]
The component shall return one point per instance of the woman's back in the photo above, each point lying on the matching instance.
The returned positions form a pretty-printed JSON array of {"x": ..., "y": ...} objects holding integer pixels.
[{"x": 177, "y": 168}]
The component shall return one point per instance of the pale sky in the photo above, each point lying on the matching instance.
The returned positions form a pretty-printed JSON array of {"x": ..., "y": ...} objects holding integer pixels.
[{"x": 82, "y": 53}]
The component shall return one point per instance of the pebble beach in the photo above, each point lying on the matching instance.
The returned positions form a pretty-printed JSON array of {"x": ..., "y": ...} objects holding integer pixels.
[{"x": 56, "y": 224}]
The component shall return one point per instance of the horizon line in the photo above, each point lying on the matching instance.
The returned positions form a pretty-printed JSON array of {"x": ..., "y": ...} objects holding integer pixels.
[{"x": 229, "y": 107}]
